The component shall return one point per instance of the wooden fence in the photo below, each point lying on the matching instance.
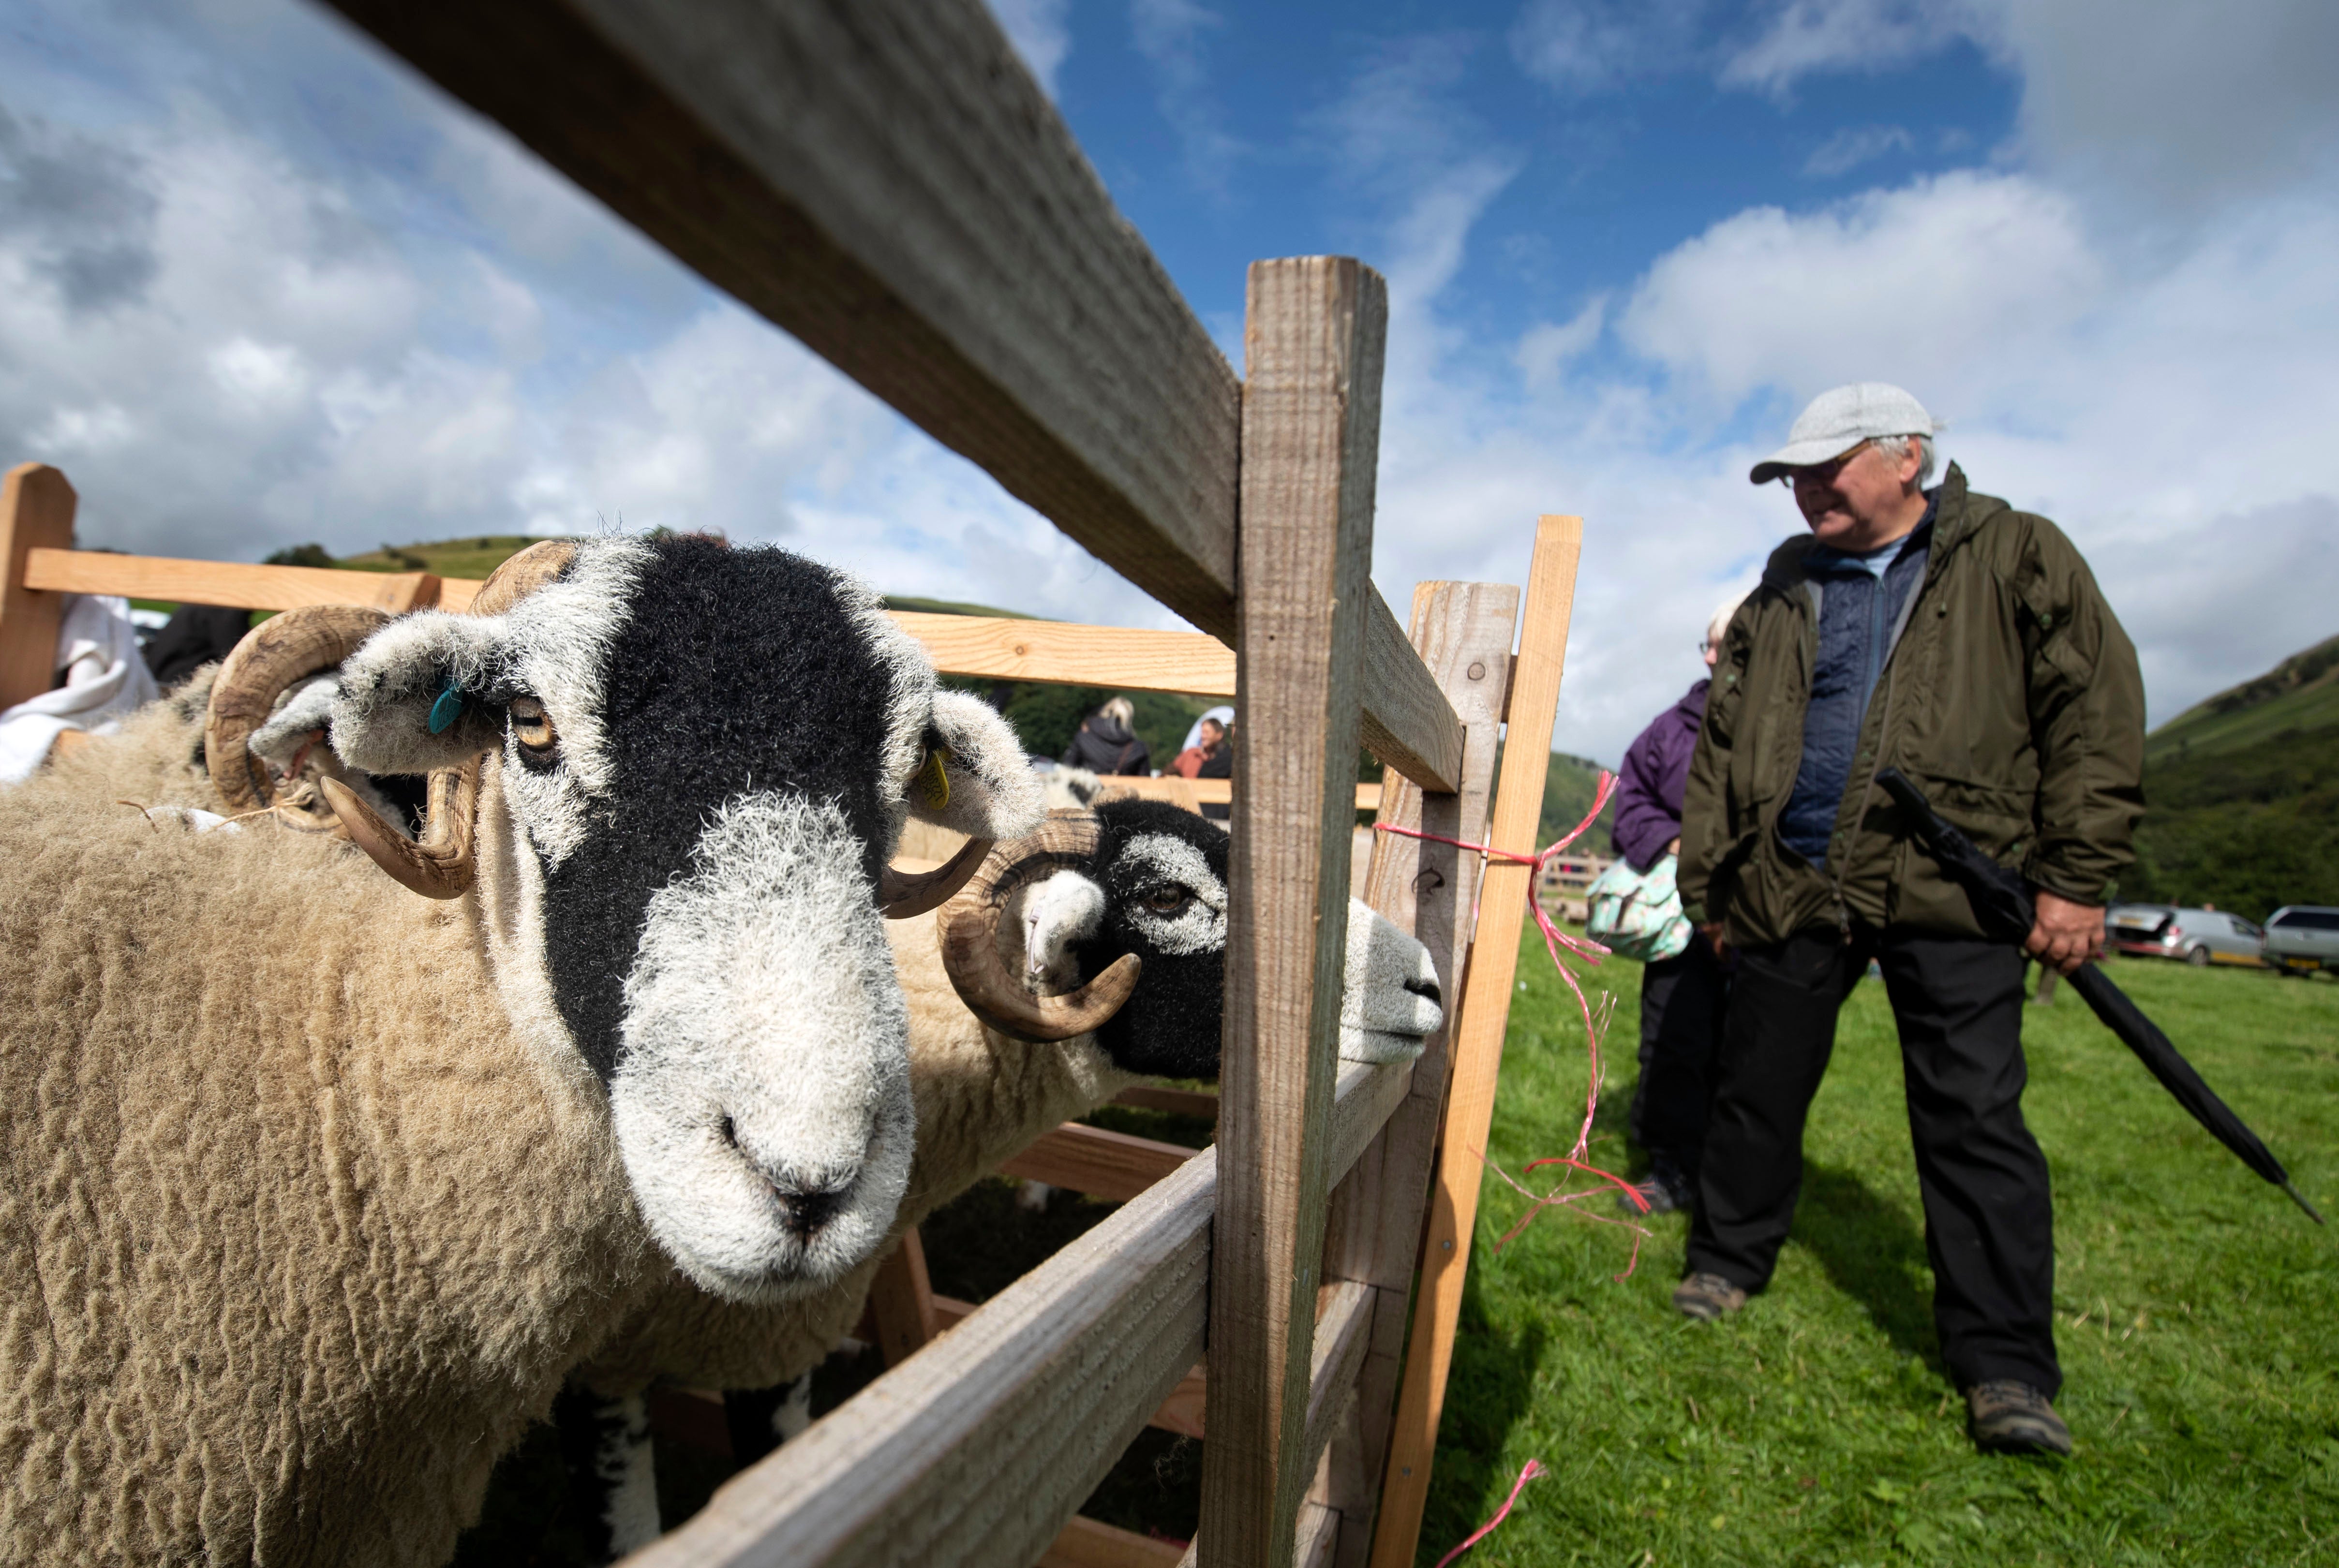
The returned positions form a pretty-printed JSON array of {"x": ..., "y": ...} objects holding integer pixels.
[{"x": 883, "y": 178}]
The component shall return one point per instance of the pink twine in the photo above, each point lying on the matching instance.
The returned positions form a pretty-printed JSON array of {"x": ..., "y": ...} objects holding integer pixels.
[
  {"x": 1591, "y": 953},
  {"x": 1533, "y": 1468}
]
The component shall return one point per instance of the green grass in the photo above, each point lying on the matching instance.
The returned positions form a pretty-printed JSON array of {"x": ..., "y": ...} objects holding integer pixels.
[{"x": 2193, "y": 1313}]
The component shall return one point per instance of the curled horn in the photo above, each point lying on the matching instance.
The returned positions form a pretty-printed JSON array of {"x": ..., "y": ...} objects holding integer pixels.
[
  {"x": 440, "y": 864},
  {"x": 969, "y": 932},
  {"x": 279, "y": 651},
  {"x": 903, "y": 893}
]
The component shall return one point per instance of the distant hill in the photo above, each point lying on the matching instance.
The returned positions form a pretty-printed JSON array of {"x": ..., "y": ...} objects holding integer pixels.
[
  {"x": 2242, "y": 794},
  {"x": 2299, "y": 695},
  {"x": 1569, "y": 784},
  {"x": 474, "y": 557}
]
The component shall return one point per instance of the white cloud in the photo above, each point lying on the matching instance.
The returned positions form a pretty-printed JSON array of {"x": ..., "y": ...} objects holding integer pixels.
[
  {"x": 1804, "y": 37},
  {"x": 226, "y": 354},
  {"x": 1597, "y": 45},
  {"x": 1041, "y": 32},
  {"x": 1854, "y": 145},
  {"x": 1545, "y": 348},
  {"x": 1936, "y": 280},
  {"x": 1427, "y": 167},
  {"x": 1170, "y": 34}
]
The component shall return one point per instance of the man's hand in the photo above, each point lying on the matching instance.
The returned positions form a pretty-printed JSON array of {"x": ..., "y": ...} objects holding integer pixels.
[
  {"x": 1717, "y": 936},
  {"x": 2065, "y": 934}
]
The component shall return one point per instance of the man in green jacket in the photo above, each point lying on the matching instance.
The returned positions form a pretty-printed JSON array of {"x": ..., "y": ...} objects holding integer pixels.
[{"x": 1945, "y": 634}]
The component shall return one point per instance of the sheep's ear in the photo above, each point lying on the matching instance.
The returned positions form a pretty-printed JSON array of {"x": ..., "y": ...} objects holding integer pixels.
[
  {"x": 973, "y": 778},
  {"x": 414, "y": 696}
]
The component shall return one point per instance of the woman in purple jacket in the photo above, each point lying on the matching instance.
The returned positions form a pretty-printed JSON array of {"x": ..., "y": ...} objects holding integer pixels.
[{"x": 1681, "y": 998}]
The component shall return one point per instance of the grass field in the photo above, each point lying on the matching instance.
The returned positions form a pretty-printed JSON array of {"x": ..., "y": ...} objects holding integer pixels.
[{"x": 2195, "y": 1314}]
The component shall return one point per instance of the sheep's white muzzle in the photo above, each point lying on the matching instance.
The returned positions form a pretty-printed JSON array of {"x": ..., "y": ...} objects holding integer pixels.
[
  {"x": 1390, "y": 1005},
  {"x": 762, "y": 1095}
]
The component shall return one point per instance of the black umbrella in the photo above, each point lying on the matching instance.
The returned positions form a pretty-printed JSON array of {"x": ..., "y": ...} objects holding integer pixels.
[{"x": 2002, "y": 906}]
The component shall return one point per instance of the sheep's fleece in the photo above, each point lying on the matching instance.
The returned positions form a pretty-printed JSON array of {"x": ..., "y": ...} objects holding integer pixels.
[{"x": 210, "y": 1280}]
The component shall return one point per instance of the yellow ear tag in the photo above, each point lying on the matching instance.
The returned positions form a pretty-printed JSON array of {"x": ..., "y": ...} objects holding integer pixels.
[{"x": 933, "y": 780}]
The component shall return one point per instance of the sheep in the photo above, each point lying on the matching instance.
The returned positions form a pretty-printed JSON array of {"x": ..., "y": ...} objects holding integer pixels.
[
  {"x": 312, "y": 1191},
  {"x": 1135, "y": 892}
]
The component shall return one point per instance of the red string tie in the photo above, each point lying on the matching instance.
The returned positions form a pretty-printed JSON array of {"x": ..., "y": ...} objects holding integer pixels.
[
  {"x": 1590, "y": 953},
  {"x": 1533, "y": 1468}
]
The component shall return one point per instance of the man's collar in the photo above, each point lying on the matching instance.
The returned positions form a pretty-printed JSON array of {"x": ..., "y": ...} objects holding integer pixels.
[{"x": 1825, "y": 558}]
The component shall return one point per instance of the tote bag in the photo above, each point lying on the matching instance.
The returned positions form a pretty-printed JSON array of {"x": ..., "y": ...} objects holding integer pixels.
[{"x": 1638, "y": 914}]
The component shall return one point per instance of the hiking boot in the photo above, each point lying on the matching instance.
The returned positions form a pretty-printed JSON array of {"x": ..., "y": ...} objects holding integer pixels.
[
  {"x": 1707, "y": 1296},
  {"x": 1668, "y": 1188},
  {"x": 2011, "y": 1417}
]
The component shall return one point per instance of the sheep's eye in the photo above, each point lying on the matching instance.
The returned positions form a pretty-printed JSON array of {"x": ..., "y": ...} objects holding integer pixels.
[
  {"x": 1168, "y": 899},
  {"x": 531, "y": 726}
]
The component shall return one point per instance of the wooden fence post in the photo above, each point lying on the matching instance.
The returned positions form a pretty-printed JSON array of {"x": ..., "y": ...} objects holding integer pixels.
[
  {"x": 1374, "y": 1235},
  {"x": 37, "y": 512},
  {"x": 1311, "y": 433},
  {"x": 1503, "y": 890}
]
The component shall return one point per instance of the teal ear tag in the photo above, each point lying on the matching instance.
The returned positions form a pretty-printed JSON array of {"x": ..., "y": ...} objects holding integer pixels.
[{"x": 446, "y": 709}]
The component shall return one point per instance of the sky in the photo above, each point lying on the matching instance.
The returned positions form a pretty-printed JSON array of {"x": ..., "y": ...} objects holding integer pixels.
[{"x": 260, "y": 284}]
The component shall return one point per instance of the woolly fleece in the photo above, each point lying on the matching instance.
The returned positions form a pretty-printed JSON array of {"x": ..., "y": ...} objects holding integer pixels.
[{"x": 293, "y": 1243}]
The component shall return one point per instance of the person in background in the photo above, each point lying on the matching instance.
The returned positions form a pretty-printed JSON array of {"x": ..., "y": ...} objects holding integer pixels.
[
  {"x": 194, "y": 635},
  {"x": 1940, "y": 632},
  {"x": 1212, "y": 739},
  {"x": 1219, "y": 764},
  {"x": 1106, "y": 745},
  {"x": 1223, "y": 715},
  {"x": 1681, "y": 998}
]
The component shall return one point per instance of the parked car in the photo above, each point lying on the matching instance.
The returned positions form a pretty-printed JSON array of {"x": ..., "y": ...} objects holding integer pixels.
[
  {"x": 2302, "y": 937},
  {"x": 2198, "y": 936}
]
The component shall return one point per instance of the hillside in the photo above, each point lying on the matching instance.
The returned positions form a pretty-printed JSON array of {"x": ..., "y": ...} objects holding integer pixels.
[
  {"x": 1569, "y": 784},
  {"x": 2242, "y": 795},
  {"x": 2301, "y": 694}
]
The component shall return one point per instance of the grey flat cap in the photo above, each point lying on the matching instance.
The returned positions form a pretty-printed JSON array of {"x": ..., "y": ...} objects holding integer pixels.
[{"x": 1838, "y": 421}]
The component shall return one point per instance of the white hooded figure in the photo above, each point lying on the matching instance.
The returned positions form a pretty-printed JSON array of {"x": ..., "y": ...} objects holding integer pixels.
[{"x": 105, "y": 679}]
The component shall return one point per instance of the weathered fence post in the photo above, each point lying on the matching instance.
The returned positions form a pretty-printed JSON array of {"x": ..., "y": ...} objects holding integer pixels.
[
  {"x": 1463, "y": 631},
  {"x": 1311, "y": 432},
  {"x": 1505, "y": 888}
]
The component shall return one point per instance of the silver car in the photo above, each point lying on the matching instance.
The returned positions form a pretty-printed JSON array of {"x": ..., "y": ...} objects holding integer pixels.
[
  {"x": 2198, "y": 936},
  {"x": 2302, "y": 937}
]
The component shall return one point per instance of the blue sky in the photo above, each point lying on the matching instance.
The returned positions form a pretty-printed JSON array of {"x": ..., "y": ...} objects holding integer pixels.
[{"x": 258, "y": 284}]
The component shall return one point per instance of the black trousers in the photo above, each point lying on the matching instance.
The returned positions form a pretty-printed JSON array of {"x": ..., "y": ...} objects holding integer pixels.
[
  {"x": 1680, "y": 1033},
  {"x": 1988, "y": 1219}
]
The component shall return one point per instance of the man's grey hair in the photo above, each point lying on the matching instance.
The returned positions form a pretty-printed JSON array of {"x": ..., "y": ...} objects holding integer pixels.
[{"x": 1897, "y": 448}]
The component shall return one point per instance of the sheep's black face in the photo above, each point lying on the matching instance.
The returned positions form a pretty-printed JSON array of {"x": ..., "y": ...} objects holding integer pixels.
[
  {"x": 1163, "y": 872},
  {"x": 704, "y": 755}
]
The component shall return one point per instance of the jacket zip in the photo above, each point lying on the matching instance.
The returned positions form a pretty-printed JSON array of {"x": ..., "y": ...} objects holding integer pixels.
[{"x": 1933, "y": 568}]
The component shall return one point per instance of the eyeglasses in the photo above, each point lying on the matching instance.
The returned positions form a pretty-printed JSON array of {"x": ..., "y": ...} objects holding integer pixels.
[{"x": 1824, "y": 473}]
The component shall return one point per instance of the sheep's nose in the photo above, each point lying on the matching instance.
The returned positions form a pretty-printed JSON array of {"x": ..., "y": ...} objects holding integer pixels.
[
  {"x": 1426, "y": 990},
  {"x": 804, "y": 1211},
  {"x": 805, "y": 1205}
]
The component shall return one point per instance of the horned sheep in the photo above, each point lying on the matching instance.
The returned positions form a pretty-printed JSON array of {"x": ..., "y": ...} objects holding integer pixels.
[
  {"x": 1079, "y": 959},
  {"x": 314, "y": 1189}
]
